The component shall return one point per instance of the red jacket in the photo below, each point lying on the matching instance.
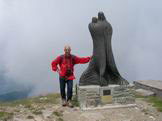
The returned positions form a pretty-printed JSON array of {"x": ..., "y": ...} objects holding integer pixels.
[{"x": 65, "y": 63}]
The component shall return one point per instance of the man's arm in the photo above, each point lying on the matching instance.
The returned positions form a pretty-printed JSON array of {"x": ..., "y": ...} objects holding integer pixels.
[
  {"x": 55, "y": 63},
  {"x": 82, "y": 60}
]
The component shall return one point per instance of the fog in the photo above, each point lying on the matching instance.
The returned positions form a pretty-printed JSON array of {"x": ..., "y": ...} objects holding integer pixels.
[{"x": 34, "y": 32}]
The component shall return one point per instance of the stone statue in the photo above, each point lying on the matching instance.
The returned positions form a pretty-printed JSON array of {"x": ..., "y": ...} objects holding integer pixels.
[{"x": 102, "y": 69}]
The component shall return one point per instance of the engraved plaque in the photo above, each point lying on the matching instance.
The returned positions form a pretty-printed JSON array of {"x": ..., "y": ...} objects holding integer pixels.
[{"x": 106, "y": 92}]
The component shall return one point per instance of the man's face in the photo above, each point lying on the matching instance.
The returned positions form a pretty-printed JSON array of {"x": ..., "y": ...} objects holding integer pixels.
[{"x": 67, "y": 51}]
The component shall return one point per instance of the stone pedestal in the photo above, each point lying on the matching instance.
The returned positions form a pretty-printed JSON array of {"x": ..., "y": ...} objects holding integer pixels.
[{"x": 93, "y": 96}]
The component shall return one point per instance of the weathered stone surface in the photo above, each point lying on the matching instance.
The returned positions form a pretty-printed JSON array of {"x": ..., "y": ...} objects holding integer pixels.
[
  {"x": 124, "y": 100},
  {"x": 121, "y": 94},
  {"x": 131, "y": 85},
  {"x": 152, "y": 85},
  {"x": 120, "y": 88},
  {"x": 92, "y": 96},
  {"x": 88, "y": 96},
  {"x": 144, "y": 92}
]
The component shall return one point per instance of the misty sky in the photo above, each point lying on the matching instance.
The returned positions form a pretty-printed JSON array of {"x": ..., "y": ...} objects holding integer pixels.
[{"x": 34, "y": 32}]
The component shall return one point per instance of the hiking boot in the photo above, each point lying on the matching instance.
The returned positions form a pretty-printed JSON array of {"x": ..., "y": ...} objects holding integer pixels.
[
  {"x": 63, "y": 102},
  {"x": 69, "y": 103}
]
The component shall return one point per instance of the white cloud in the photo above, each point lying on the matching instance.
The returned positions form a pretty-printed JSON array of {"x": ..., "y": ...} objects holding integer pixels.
[{"x": 34, "y": 32}]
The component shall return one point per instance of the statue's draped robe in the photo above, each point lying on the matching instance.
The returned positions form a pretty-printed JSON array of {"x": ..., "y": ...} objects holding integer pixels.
[{"x": 102, "y": 69}]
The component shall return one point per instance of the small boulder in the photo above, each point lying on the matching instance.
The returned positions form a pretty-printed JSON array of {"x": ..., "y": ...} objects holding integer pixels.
[{"x": 145, "y": 93}]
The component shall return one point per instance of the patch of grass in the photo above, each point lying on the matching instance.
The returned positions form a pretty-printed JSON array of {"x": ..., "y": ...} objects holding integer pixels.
[
  {"x": 139, "y": 96},
  {"x": 29, "y": 106},
  {"x": 24, "y": 102},
  {"x": 60, "y": 119},
  {"x": 30, "y": 117},
  {"x": 59, "y": 114},
  {"x": 145, "y": 111},
  {"x": 4, "y": 116},
  {"x": 17, "y": 110},
  {"x": 50, "y": 98},
  {"x": 156, "y": 101},
  {"x": 75, "y": 102},
  {"x": 37, "y": 112}
]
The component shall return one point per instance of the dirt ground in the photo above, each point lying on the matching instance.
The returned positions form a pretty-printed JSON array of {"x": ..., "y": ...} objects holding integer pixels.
[
  {"x": 142, "y": 112},
  {"x": 55, "y": 112}
]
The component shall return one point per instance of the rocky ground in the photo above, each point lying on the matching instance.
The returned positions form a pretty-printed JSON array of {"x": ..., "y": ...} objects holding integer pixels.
[{"x": 48, "y": 108}]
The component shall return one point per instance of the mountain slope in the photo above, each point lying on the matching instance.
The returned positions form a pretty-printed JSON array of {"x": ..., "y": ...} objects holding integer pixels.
[{"x": 48, "y": 108}]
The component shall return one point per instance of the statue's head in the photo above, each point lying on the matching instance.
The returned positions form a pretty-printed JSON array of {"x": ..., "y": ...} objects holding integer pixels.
[
  {"x": 67, "y": 50},
  {"x": 101, "y": 16},
  {"x": 94, "y": 19}
]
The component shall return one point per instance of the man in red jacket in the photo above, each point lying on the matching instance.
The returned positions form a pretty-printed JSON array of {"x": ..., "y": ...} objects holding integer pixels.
[{"x": 66, "y": 64}]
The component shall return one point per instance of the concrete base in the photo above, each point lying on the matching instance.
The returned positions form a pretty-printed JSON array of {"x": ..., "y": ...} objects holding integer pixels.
[
  {"x": 96, "y": 96},
  {"x": 110, "y": 106},
  {"x": 152, "y": 85}
]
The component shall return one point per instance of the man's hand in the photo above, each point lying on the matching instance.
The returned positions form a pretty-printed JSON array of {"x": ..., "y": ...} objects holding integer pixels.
[
  {"x": 58, "y": 70},
  {"x": 91, "y": 57}
]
